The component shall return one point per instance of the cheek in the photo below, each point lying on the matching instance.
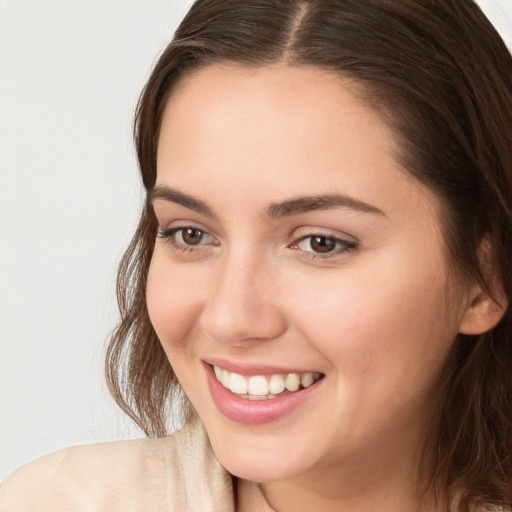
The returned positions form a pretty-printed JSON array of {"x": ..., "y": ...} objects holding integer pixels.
[
  {"x": 173, "y": 300},
  {"x": 380, "y": 328},
  {"x": 386, "y": 345}
]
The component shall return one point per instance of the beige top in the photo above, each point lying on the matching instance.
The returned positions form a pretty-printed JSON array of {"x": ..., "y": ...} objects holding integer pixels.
[{"x": 175, "y": 473}]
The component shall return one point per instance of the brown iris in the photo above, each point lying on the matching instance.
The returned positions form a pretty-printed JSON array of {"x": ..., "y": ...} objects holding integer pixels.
[
  {"x": 322, "y": 244},
  {"x": 192, "y": 236}
]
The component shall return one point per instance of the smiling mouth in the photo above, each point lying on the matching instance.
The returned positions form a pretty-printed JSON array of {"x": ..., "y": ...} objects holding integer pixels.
[{"x": 261, "y": 387}]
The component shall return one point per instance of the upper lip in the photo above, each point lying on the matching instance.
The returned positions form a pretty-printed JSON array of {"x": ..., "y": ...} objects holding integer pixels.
[{"x": 255, "y": 369}]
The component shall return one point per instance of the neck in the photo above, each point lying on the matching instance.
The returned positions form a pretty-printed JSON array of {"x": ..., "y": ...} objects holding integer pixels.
[{"x": 285, "y": 497}]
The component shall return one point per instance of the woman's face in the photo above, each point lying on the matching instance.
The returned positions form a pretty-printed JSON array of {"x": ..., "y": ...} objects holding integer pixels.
[{"x": 293, "y": 247}]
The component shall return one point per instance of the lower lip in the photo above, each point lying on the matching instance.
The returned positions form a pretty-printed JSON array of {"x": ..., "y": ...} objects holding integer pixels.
[{"x": 255, "y": 412}]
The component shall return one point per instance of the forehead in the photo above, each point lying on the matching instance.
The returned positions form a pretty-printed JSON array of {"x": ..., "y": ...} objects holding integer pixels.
[
  {"x": 306, "y": 97},
  {"x": 304, "y": 109},
  {"x": 284, "y": 131}
]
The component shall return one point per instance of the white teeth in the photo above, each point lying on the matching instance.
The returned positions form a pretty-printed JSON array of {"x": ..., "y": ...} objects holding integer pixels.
[
  {"x": 306, "y": 380},
  {"x": 292, "y": 382},
  {"x": 258, "y": 387},
  {"x": 276, "y": 384},
  {"x": 224, "y": 378},
  {"x": 238, "y": 384}
]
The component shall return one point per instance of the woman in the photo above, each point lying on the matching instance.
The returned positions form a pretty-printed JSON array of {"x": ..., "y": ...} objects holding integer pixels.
[{"x": 324, "y": 260}]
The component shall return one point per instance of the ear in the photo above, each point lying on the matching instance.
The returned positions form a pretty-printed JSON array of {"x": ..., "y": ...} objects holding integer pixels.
[{"x": 484, "y": 312}]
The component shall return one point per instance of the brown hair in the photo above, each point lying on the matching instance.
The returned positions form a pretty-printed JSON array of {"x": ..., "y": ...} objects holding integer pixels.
[{"x": 441, "y": 77}]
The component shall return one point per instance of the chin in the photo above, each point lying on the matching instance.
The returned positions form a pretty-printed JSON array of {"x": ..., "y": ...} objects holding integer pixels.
[
  {"x": 261, "y": 469},
  {"x": 259, "y": 458}
]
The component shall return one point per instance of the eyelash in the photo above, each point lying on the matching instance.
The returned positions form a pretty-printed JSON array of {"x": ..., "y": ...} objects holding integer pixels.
[
  {"x": 341, "y": 246},
  {"x": 168, "y": 235},
  {"x": 344, "y": 246}
]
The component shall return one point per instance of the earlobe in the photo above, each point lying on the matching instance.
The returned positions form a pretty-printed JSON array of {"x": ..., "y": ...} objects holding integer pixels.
[{"x": 483, "y": 312}]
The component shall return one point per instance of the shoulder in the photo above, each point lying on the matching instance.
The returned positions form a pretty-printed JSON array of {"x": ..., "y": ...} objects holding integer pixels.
[
  {"x": 178, "y": 472},
  {"x": 82, "y": 476}
]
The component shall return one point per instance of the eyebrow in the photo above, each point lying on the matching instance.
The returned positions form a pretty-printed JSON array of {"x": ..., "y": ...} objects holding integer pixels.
[
  {"x": 320, "y": 202},
  {"x": 175, "y": 196},
  {"x": 286, "y": 208}
]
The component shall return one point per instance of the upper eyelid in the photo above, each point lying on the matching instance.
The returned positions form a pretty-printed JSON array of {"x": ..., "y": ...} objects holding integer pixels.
[
  {"x": 174, "y": 229},
  {"x": 323, "y": 235},
  {"x": 177, "y": 224},
  {"x": 167, "y": 234},
  {"x": 309, "y": 231},
  {"x": 183, "y": 224},
  {"x": 344, "y": 241}
]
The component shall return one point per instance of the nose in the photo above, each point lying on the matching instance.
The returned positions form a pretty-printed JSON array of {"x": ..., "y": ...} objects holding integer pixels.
[{"x": 243, "y": 305}]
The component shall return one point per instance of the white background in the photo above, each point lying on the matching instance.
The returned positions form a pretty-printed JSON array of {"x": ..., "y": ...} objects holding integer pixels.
[{"x": 70, "y": 75}]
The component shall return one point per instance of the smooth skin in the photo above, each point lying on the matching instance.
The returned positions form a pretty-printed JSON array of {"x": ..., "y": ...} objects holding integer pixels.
[{"x": 360, "y": 291}]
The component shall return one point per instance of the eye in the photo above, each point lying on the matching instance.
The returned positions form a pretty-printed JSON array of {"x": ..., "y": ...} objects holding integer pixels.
[
  {"x": 191, "y": 236},
  {"x": 324, "y": 245},
  {"x": 186, "y": 236}
]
